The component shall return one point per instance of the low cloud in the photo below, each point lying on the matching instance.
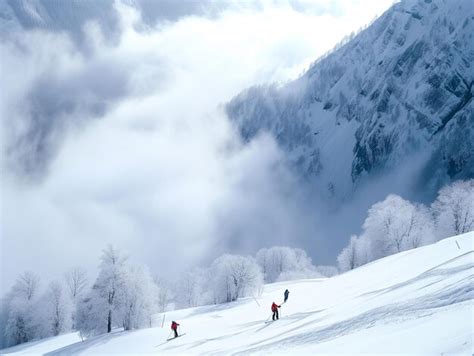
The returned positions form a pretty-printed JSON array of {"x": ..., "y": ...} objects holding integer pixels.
[{"x": 126, "y": 143}]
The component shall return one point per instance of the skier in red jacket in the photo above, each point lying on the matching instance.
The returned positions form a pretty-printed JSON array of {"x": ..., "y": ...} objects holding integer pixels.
[
  {"x": 174, "y": 327},
  {"x": 275, "y": 311}
]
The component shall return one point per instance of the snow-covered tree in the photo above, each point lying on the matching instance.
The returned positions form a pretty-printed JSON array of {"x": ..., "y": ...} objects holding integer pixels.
[
  {"x": 91, "y": 314},
  {"x": 27, "y": 285},
  {"x": 234, "y": 276},
  {"x": 422, "y": 227},
  {"x": 395, "y": 225},
  {"x": 187, "y": 289},
  {"x": 122, "y": 296},
  {"x": 4, "y": 306},
  {"x": 165, "y": 295},
  {"x": 76, "y": 283},
  {"x": 55, "y": 308},
  {"x": 139, "y": 300},
  {"x": 348, "y": 259},
  {"x": 284, "y": 263},
  {"x": 454, "y": 209},
  {"x": 106, "y": 297},
  {"x": 392, "y": 225},
  {"x": 20, "y": 312}
]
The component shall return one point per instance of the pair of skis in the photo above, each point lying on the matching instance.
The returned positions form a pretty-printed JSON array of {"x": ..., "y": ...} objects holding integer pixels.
[{"x": 172, "y": 338}]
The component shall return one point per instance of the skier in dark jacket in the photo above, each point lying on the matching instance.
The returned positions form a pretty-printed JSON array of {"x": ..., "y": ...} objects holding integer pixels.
[
  {"x": 287, "y": 293},
  {"x": 174, "y": 327},
  {"x": 275, "y": 311}
]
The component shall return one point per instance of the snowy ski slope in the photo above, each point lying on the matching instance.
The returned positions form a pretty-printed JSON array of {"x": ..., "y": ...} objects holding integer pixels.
[{"x": 418, "y": 301}]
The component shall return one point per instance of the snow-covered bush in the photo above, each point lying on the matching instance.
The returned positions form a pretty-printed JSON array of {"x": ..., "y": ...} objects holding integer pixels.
[
  {"x": 284, "y": 263},
  {"x": 234, "y": 276},
  {"x": 454, "y": 209}
]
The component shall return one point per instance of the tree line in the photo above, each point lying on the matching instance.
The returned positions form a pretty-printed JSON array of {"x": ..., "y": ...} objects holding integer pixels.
[
  {"x": 125, "y": 295},
  {"x": 395, "y": 224}
]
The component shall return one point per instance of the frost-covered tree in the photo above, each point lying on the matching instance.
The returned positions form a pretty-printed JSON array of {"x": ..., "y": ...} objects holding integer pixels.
[
  {"x": 122, "y": 296},
  {"x": 234, "y": 276},
  {"x": 139, "y": 299},
  {"x": 395, "y": 225},
  {"x": 91, "y": 314},
  {"x": 454, "y": 209},
  {"x": 188, "y": 289},
  {"x": 55, "y": 310},
  {"x": 383, "y": 228},
  {"x": 422, "y": 227},
  {"x": 392, "y": 225},
  {"x": 348, "y": 259},
  {"x": 20, "y": 312},
  {"x": 4, "y": 305},
  {"x": 76, "y": 283},
  {"x": 284, "y": 263},
  {"x": 165, "y": 295},
  {"x": 193, "y": 288},
  {"x": 99, "y": 308},
  {"x": 27, "y": 285}
]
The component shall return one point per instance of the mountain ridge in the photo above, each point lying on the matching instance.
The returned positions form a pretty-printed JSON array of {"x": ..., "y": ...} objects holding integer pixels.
[{"x": 401, "y": 87}]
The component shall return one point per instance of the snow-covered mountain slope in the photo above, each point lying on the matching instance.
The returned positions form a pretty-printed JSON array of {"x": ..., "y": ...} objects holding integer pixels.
[
  {"x": 418, "y": 301},
  {"x": 401, "y": 89}
]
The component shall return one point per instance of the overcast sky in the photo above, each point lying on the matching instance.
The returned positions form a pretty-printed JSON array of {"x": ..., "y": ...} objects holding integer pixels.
[{"x": 113, "y": 131}]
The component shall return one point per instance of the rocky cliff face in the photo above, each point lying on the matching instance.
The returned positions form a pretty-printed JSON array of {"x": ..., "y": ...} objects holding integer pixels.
[{"x": 400, "y": 89}]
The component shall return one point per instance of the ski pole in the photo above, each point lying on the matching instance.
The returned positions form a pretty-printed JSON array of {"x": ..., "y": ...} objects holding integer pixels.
[{"x": 169, "y": 334}]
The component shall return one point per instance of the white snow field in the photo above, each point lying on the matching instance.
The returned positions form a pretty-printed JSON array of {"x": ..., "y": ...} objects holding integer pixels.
[{"x": 418, "y": 301}]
